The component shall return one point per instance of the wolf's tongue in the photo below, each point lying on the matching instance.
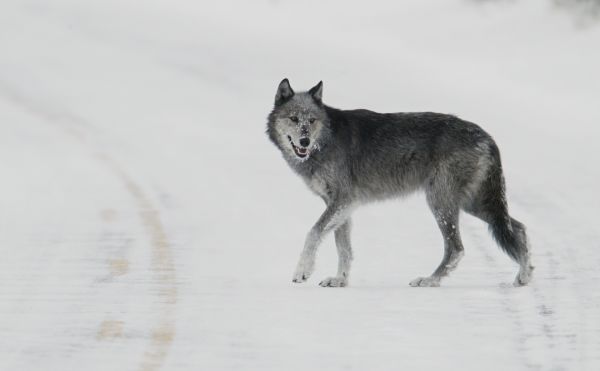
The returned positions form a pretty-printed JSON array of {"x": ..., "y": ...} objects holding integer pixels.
[{"x": 302, "y": 150}]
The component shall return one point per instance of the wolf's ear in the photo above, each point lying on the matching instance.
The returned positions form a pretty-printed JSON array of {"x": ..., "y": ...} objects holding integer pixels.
[
  {"x": 284, "y": 92},
  {"x": 317, "y": 92}
]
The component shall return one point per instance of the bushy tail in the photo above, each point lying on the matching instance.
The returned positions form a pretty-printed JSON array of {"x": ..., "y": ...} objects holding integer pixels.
[
  {"x": 489, "y": 204},
  {"x": 512, "y": 238},
  {"x": 508, "y": 232}
]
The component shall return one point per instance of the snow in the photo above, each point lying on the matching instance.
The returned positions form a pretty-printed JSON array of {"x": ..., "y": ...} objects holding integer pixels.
[{"x": 147, "y": 223}]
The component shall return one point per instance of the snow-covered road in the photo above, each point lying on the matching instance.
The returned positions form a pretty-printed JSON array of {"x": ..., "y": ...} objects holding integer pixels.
[{"x": 146, "y": 223}]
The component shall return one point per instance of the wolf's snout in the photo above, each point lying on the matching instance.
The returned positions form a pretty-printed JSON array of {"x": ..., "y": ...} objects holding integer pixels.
[{"x": 304, "y": 142}]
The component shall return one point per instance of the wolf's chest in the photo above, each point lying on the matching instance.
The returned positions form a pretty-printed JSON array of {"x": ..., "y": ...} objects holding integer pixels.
[{"x": 319, "y": 185}]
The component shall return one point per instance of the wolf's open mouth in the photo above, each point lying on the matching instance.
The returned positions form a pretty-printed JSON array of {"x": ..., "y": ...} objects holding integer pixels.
[{"x": 299, "y": 151}]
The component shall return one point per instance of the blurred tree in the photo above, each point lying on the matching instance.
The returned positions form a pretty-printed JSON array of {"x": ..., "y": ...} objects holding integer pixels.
[
  {"x": 589, "y": 9},
  {"x": 585, "y": 10}
]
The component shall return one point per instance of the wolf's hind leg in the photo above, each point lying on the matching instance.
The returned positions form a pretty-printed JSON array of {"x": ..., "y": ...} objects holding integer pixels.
[
  {"x": 344, "y": 249},
  {"x": 525, "y": 268},
  {"x": 447, "y": 219}
]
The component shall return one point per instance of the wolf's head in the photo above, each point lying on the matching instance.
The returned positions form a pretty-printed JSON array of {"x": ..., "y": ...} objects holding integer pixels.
[{"x": 298, "y": 124}]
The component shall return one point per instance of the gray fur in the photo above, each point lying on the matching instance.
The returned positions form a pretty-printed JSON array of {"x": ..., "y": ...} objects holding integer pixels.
[{"x": 359, "y": 156}]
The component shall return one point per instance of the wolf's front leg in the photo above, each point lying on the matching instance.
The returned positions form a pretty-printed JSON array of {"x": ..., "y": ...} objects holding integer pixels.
[
  {"x": 306, "y": 264},
  {"x": 335, "y": 215},
  {"x": 344, "y": 249}
]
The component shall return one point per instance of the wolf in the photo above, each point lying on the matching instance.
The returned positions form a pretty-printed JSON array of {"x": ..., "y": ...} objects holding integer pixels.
[{"x": 353, "y": 157}]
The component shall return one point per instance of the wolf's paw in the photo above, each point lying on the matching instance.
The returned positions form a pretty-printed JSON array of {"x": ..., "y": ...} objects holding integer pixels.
[
  {"x": 300, "y": 277},
  {"x": 425, "y": 282},
  {"x": 334, "y": 282},
  {"x": 304, "y": 269},
  {"x": 523, "y": 277},
  {"x": 302, "y": 274}
]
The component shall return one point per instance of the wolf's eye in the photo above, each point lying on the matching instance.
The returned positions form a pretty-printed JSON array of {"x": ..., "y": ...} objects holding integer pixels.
[
  {"x": 311, "y": 121},
  {"x": 294, "y": 118}
]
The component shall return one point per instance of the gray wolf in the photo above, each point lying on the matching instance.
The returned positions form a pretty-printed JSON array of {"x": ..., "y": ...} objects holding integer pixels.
[{"x": 352, "y": 157}]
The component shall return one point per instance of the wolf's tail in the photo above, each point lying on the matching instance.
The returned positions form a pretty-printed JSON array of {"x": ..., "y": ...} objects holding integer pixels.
[
  {"x": 512, "y": 238},
  {"x": 491, "y": 206}
]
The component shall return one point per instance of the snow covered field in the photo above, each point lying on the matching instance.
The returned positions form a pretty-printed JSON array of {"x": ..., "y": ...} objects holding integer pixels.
[{"x": 146, "y": 223}]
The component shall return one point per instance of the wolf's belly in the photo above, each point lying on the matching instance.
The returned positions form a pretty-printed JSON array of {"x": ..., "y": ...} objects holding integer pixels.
[{"x": 384, "y": 184}]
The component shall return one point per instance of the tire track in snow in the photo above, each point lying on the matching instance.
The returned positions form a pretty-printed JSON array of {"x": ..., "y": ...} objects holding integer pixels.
[
  {"x": 567, "y": 316},
  {"x": 518, "y": 310},
  {"x": 483, "y": 243},
  {"x": 162, "y": 266},
  {"x": 543, "y": 342}
]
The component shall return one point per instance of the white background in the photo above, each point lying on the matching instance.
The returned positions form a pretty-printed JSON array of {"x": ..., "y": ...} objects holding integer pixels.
[{"x": 147, "y": 223}]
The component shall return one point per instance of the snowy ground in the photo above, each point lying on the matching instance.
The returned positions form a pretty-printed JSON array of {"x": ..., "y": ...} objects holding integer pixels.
[{"x": 146, "y": 222}]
